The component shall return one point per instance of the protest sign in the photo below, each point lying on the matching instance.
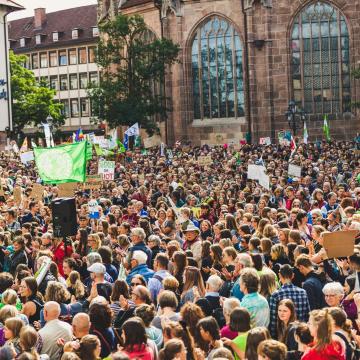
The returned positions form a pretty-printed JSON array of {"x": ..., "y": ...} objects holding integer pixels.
[
  {"x": 294, "y": 170},
  {"x": 67, "y": 189},
  {"x": 265, "y": 141},
  {"x": 17, "y": 195},
  {"x": 93, "y": 182},
  {"x": 26, "y": 157},
  {"x": 107, "y": 169},
  {"x": 37, "y": 192},
  {"x": 254, "y": 171},
  {"x": 93, "y": 209},
  {"x": 339, "y": 243},
  {"x": 264, "y": 180},
  {"x": 205, "y": 160},
  {"x": 40, "y": 274},
  {"x": 152, "y": 141}
]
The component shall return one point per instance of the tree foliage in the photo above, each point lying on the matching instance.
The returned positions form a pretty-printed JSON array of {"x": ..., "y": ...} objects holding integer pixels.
[
  {"x": 32, "y": 101},
  {"x": 132, "y": 62}
]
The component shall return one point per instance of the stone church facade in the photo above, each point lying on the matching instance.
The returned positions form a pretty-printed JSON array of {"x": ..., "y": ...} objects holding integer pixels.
[{"x": 243, "y": 61}]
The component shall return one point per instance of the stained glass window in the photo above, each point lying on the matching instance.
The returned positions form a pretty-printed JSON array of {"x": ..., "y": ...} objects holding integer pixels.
[
  {"x": 218, "y": 88},
  {"x": 320, "y": 60}
]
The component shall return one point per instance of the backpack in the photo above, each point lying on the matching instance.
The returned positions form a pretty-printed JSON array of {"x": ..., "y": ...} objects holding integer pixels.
[
  {"x": 68, "y": 317},
  {"x": 350, "y": 346}
]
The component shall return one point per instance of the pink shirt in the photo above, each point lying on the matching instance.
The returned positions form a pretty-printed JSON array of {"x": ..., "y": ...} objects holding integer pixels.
[{"x": 226, "y": 332}]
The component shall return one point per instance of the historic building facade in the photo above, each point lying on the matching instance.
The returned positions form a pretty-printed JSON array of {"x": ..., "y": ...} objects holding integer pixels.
[
  {"x": 60, "y": 48},
  {"x": 243, "y": 61}
]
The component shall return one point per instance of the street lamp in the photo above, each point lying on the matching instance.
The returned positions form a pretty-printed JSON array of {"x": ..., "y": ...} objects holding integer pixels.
[{"x": 295, "y": 116}]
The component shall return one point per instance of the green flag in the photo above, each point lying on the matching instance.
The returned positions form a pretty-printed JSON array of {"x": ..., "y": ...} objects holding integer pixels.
[
  {"x": 326, "y": 129},
  {"x": 98, "y": 150},
  {"x": 62, "y": 164},
  {"x": 121, "y": 147},
  {"x": 137, "y": 142}
]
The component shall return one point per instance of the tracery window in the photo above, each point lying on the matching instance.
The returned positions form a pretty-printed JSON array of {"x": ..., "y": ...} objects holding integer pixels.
[
  {"x": 320, "y": 60},
  {"x": 217, "y": 72}
]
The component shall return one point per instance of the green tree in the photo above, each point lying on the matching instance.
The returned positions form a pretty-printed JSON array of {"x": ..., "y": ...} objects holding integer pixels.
[
  {"x": 32, "y": 101},
  {"x": 132, "y": 62}
]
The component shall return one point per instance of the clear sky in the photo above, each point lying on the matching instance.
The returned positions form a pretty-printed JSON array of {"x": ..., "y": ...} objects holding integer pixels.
[{"x": 49, "y": 5}]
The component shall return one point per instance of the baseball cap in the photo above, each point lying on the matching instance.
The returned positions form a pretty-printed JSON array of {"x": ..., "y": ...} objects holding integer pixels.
[{"x": 97, "y": 268}]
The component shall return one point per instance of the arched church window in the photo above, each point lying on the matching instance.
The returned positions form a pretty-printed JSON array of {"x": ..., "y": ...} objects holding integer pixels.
[
  {"x": 320, "y": 60},
  {"x": 217, "y": 71}
]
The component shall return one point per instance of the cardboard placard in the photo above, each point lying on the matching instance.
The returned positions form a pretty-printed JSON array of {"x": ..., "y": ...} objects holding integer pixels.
[
  {"x": 93, "y": 182},
  {"x": 107, "y": 169},
  {"x": 17, "y": 195},
  {"x": 152, "y": 141},
  {"x": 264, "y": 180},
  {"x": 67, "y": 189},
  {"x": 255, "y": 171},
  {"x": 339, "y": 243},
  {"x": 37, "y": 192},
  {"x": 265, "y": 141},
  {"x": 294, "y": 170},
  {"x": 205, "y": 160},
  {"x": 26, "y": 157}
]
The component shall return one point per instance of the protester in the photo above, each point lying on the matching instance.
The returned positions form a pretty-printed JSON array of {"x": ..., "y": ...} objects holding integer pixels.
[{"x": 187, "y": 260}]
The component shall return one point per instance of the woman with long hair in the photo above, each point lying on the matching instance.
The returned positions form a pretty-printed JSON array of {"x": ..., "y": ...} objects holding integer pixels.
[
  {"x": 209, "y": 332},
  {"x": 179, "y": 262},
  {"x": 325, "y": 346},
  {"x": 82, "y": 247},
  {"x": 301, "y": 224},
  {"x": 205, "y": 230},
  {"x": 192, "y": 278},
  {"x": 29, "y": 339},
  {"x": 31, "y": 299},
  {"x": 12, "y": 328},
  {"x": 173, "y": 349},
  {"x": 255, "y": 337},
  {"x": 90, "y": 348},
  {"x": 75, "y": 286},
  {"x": 286, "y": 316},
  {"x": 120, "y": 288},
  {"x": 191, "y": 313},
  {"x": 278, "y": 257},
  {"x": 94, "y": 242},
  {"x": 134, "y": 339},
  {"x": 268, "y": 283}
]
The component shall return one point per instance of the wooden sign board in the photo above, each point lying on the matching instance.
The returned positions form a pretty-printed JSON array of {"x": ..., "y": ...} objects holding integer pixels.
[
  {"x": 339, "y": 243},
  {"x": 93, "y": 182},
  {"x": 67, "y": 189},
  {"x": 17, "y": 195},
  {"x": 37, "y": 192},
  {"x": 205, "y": 160}
]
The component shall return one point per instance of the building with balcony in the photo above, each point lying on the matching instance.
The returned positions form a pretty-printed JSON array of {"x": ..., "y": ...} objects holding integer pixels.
[{"x": 60, "y": 48}]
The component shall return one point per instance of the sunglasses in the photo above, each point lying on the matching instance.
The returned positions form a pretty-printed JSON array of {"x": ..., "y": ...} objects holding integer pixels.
[{"x": 135, "y": 284}]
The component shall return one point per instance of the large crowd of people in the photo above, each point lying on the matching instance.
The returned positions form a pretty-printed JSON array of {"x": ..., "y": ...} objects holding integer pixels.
[{"x": 186, "y": 261}]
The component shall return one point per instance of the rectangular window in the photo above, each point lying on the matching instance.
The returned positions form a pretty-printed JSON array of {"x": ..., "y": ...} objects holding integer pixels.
[
  {"x": 38, "y": 39},
  {"x": 43, "y": 60},
  {"x": 93, "y": 78},
  {"x": 82, "y": 56},
  {"x": 35, "y": 61},
  {"x": 54, "y": 82},
  {"x": 22, "y": 42},
  {"x": 44, "y": 80},
  {"x": 53, "y": 58},
  {"x": 62, "y": 58},
  {"x": 95, "y": 31},
  {"x": 72, "y": 57},
  {"x": 84, "y": 105},
  {"x": 55, "y": 36},
  {"x": 63, "y": 82},
  {"x": 75, "y": 33},
  {"x": 73, "y": 81},
  {"x": 91, "y": 54},
  {"x": 65, "y": 110},
  {"x": 83, "y": 80},
  {"x": 74, "y": 107}
]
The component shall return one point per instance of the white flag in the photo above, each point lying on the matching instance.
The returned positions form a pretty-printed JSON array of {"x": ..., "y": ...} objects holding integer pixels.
[
  {"x": 305, "y": 133},
  {"x": 48, "y": 136},
  {"x": 133, "y": 130}
]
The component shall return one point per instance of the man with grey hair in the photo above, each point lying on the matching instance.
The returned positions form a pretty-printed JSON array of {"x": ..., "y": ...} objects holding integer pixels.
[
  {"x": 53, "y": 330},
  {"x": 228, "y": 306},
  {"x": 46, "y": 241},
  {"x": 138, "y": 266},
  {"x": 154, "y": 245},
  {"x": 242, "y": 261},
  {"x": 138, "y": 240}
]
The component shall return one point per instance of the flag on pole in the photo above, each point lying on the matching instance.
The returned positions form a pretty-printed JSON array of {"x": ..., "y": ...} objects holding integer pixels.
[
  {"x": 133, "y": 130},
  {"x": 24, "y": 146},
  {"x": 62, "y": 164},
  {"x": 306, "y": 136},
  {"x": 326, "y": 129},
  {"x": 121, "y": 147},
  {"x": 137, "y": 142},
  {"x": 113, "y": 142},
  {"x": 88, "y": 151},
  {"x": 292, "y": 146},
  {"x": 126, "y": 142}
]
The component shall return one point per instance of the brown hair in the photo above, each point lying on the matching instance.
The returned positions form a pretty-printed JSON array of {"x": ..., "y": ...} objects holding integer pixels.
[
  {"x": 282, "y": 329},
  {"x": 15, "y": 325},
  {"x": 324, "y": 323},
  {"x": 272, "y": 349}
]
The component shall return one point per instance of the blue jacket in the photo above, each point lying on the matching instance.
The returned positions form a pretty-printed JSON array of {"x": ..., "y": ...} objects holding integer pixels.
[{"x": 140, "y": 270}]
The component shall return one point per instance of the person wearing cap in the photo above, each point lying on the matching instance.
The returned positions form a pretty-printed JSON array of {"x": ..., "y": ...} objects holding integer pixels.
[
  {"x": 97, "y": 273},
  {"x": 138, "y": 266},
  {"x": 193, "y": 242}
]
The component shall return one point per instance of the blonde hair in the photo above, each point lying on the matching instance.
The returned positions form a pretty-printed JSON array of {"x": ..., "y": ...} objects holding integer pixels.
[
  {"x": 76, "y": 284},
  {"x": 7, "y": 312},
  {"x": 9, "y": 297}
]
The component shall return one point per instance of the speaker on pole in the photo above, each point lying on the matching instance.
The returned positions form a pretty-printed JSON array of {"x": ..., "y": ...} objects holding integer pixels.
[{"x": 64, "y": 217}]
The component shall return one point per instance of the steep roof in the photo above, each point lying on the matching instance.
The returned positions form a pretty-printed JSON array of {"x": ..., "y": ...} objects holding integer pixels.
[
  {"x": 130, "y": 3},
  {"x": 83, "y": 18}
]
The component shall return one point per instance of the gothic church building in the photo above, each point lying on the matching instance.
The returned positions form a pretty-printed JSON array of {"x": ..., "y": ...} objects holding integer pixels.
[{"x": 243, "y": 61}]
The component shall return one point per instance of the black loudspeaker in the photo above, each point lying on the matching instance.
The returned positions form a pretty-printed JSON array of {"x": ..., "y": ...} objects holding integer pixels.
[{"x": 64, "y": 217}]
